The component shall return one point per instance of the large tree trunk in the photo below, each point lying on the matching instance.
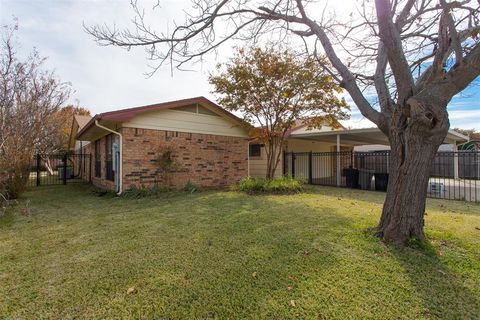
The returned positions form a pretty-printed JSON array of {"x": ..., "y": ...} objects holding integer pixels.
[{"x": 414, "y": 141}]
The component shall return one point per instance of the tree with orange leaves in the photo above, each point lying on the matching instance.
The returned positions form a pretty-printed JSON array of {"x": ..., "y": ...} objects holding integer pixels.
[{"x": 274, "y": 89}]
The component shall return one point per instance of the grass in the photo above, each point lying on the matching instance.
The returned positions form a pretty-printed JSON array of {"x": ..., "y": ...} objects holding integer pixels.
[{"x": 67, "y": 253}]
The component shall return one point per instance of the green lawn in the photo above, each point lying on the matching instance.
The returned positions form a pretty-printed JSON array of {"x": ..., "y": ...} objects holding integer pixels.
[{"x": 73, "y": 254}]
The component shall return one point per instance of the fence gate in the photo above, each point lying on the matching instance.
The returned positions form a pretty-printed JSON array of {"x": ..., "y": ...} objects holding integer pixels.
[{"x": 59, "y": 168}]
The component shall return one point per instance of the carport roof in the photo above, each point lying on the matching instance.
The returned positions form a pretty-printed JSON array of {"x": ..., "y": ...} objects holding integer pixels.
[{"x": 358, "y": 137}]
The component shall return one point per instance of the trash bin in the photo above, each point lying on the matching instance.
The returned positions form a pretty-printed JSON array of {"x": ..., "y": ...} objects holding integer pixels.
[
  {"x": 381, "y": 181},
  {"x": 69, "y": 173},
  {"x": 351, "y": 176},
  {"x": 365, "y": 179}
]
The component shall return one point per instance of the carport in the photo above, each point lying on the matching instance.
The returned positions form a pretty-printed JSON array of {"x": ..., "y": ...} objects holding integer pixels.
[{"x": 369, "y": 136}]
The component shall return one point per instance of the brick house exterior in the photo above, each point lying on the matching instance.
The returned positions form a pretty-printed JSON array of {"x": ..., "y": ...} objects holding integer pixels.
[
  {"x": 206, "y": 160},
  {"x": 208, "y": 147}
]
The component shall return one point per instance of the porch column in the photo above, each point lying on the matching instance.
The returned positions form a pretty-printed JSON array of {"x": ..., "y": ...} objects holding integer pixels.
[
  {"x": 339, "y": 173},
  {"x": 455, "y": 161}
]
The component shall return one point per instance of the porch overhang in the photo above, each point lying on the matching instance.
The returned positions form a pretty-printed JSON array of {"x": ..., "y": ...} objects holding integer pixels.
[
  {"x": 94, "y": 132},
  {"x": 367, "y": 136}
]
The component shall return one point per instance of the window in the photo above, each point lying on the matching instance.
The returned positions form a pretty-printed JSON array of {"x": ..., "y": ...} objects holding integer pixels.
[
  {"x": 109, "y": 157},
  {"x": 97, "y": 159},
  {"x": 255, "y": 150}
]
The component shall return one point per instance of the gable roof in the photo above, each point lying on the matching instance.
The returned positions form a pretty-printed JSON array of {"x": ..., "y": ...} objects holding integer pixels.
[
  {"x": 78, "y": 122},
  {"x": 81, "y": 120},
  {"x": 125, "y": 115}
]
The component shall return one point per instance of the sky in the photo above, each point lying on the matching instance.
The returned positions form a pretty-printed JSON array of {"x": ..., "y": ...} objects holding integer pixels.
[{"x": 110, "y": 78}]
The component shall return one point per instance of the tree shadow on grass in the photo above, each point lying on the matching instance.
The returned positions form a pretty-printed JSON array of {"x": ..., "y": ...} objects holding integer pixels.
[
  {"x": 229, "y": 255},
  {"x": 443, "y": 293}
]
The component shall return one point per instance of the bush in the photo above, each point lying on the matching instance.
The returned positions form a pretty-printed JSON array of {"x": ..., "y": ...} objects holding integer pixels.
[
  {"x": 284, "y": 185},
  {"x": 14, "y": 182},
  {"x": 140, "y": 192},
  {"x": 190, "y": 187}
]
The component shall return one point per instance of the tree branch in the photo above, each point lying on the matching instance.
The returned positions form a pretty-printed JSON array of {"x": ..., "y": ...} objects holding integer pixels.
[{"x": 390, "y": 36}]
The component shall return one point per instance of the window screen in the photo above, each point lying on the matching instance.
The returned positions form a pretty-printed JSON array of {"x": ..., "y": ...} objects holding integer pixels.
[
  {"x": 255, "y": 150},
  {"x": 97, "y": 159}
]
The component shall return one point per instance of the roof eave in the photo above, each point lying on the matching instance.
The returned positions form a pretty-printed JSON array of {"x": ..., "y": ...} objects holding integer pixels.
[{"x": 128, "y": 114}]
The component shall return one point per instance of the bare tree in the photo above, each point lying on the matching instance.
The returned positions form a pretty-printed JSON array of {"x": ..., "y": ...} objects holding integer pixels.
[
  {"x": 29, "y": 96},
  {"x": 414, "y": 55}
]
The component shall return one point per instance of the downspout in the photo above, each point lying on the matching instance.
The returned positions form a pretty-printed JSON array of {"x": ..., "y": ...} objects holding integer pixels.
[
  {"x": 120, "y": 175},
  {"x": 248, "y": 159}
]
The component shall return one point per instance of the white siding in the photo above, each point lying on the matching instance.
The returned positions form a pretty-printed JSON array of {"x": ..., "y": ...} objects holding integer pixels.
[
  {"x": 258, "y": 166},
  {"x": 301, "y": 145},
  {"x": 323, "y": 166},
  {"x": 182, "y": 121}
]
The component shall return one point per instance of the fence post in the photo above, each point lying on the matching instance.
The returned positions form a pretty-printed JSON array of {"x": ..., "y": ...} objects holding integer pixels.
[
  {"x": 38, "y": 169},
  {"x": 293, "y": 165},
  {"x": 90, "y": 168},
  {"x": 456, "y": 175},
  {"x": 65, "y": 168},
  {"x": 284, "y": 163},
  {"x": 310, "y": 166}
]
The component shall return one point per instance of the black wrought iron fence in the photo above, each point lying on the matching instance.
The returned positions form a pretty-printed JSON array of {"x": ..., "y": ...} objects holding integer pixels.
[
  {"x": 454, "y": 175},
  {"x": 318, "y": 167},
  {"x": 50, "y": 169}
]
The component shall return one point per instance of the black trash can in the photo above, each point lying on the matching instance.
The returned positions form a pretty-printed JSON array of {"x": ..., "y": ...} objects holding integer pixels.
[
  {"x": 351, "y": 176},
  {"x": 381, "y": 181}
]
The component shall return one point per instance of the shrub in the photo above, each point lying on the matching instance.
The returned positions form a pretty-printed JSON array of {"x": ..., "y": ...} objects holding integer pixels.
[
  {"x": 139, "y": 192},
  {"x": 14, "y": 183},
  {"x": 284, "y": 185},
  {"x": 144, "y": 191},
  {"x": 167, "y": 164},
  {"x": 190, "y": 187}
]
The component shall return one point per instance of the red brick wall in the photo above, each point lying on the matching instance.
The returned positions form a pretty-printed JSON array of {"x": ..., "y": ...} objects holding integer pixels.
[{"x": 206, "y": 160}]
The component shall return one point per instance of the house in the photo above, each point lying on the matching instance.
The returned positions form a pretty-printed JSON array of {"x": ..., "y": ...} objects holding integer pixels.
[{"x": 208, "y": 145}]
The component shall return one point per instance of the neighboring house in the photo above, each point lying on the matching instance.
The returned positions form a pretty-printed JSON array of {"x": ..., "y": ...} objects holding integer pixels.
[
  {"x": 78, "y": 123},
  {"x": 209, "y": 145}
]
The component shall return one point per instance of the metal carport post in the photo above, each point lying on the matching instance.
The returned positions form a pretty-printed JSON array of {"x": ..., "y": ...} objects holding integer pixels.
[{"x": 339, "y": 174}]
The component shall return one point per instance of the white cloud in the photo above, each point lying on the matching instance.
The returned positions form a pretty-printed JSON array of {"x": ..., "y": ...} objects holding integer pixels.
[{"x": 104, "y": 78}]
